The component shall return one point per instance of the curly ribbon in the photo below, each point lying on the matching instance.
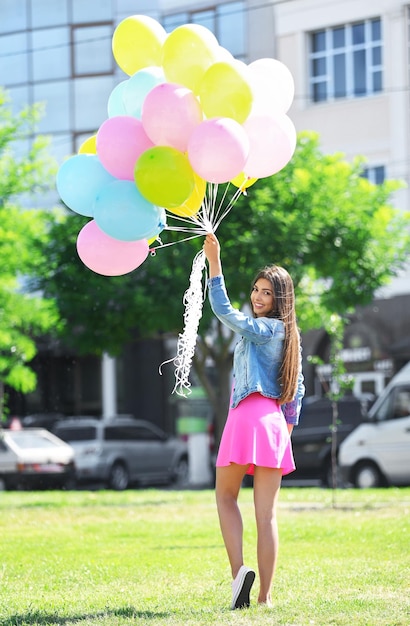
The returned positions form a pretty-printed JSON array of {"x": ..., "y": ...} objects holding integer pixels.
[
  {"x": 208, "y": 219},
  {"x": 193, "y": 301}
]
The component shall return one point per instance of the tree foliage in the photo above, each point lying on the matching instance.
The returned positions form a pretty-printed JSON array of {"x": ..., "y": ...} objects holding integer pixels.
[
  {"x": 23, "y": 237},
  {"x": 335, "y": 232}
]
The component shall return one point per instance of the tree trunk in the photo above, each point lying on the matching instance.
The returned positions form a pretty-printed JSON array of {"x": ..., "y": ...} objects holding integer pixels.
[
  {"x": 2, "y": 416},
  {"x": 215, "y": 377}
]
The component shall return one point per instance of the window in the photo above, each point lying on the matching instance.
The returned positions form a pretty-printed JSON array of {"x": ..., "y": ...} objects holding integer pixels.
[
  {"x": 346, "y": 61},
  {"x": 130, "y": 433},
  {"x": 82, "y": 433},
  {"x": 14, "y": 59},
  {"x": 226, "y": 22},
  {"x": 91, "y": 50},
  {"x": 375, "y": 175},
  {"x": 51, "y": 54},
  {"x": 401, "y": 403},
  {"x": 396, "y": 405},
  {"x": 83, "y": 12}
]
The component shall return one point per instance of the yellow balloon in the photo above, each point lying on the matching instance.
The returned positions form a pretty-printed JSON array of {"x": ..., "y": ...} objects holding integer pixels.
[
  {"x": 187, "y": 53},
  {"x": 242, "y": 181},
  {"x": 225, "y": 92},
  {"x": 137, "y": 43},
  {"x": 89, "y": 146},
  {"x": 192, "y": 204}
]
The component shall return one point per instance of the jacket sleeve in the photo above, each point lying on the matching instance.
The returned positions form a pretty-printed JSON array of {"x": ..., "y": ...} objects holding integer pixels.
[
  {"x": 291, "y": 410},
  {"x": 254, "y": 329}
]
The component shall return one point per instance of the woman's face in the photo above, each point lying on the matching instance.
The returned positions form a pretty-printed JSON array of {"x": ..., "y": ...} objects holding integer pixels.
[{"x": 262, "y": 297}]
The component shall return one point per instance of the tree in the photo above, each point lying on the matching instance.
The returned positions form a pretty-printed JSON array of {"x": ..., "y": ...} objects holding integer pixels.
[
  {"x": 335, "y": 388},
  {"x": 23, "y": 235},
  {"x": 335, "y": 232}
]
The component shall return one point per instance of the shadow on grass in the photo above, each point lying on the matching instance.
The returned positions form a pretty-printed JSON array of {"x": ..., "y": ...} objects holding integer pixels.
[{"x": 42, "y": 618}]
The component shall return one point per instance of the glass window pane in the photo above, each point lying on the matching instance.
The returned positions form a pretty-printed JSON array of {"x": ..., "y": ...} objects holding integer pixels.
[
  {"x": 57, "y": 114},
  {"x": 46, "y": 13},
  {"x": 92, "y": 50},
  {"x": 377, "y": 55},
  {"x": 379, "y": 174},
  {"x": 13, "y": 59},
  {"x": 170, "y": 22},
  {"x": 82, "y": 433},
  {"x": 318, "y": 41},
  {"x": 358, "y": 33},
  {"x": 90, "y": 101},
  {"x": 89, "y": 12},
  {"x": 359, "y": 72},
  {"x": 377, "y": 82},
  {"x": 339, "y": 71},
  {"x": 20, "y": 97},
  {"x": 319, "y": 67},
  {"x": 231, "y": 28},
  {"x": 338, "y": 37},
  {"x": 319, "y": 92},
  {"x": 376, "y": 27},
  {"x": 60, "y": 146},
  {"x": 204, "y": 18},
  {"x": 13, "y": 15},
  {"x": 51, "y": 54}
]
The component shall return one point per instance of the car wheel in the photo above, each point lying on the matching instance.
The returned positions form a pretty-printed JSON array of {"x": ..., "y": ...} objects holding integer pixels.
[
  {"x": 367, "y": 475},
  {"x": 119, "y": 477},
  {"x": 181, "y": 473}
]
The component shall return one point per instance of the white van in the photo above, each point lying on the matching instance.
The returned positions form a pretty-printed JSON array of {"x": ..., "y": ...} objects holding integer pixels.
[{"x": 377, "y": 452}]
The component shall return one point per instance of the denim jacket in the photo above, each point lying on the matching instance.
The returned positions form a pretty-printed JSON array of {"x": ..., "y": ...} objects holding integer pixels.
[{"x": 258, "y": 354}]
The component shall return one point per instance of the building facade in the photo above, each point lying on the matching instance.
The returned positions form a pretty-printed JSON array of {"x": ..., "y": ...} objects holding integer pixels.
[{"x": 350, "y": 63}]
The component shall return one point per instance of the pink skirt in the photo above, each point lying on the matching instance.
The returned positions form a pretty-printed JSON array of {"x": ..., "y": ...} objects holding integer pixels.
[{"x": 256, "y": 433}]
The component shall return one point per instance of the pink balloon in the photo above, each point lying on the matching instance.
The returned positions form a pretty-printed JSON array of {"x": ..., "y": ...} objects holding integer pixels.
[
  {"x": 272, "y": 144},
  {"x": 218, "y": 149},
  {"x": 108, "y": 256},
  {"x": 272, "y": 85},
  {"x": 169, "y": 115},
  {"x": 120, "y": 142}
]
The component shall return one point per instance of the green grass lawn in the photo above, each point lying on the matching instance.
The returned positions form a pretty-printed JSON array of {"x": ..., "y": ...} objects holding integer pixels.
[{"x": 156, "y": 557}]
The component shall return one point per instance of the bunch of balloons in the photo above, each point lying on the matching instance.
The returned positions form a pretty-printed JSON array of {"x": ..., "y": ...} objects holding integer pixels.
[{"x": 188, "y": 114}]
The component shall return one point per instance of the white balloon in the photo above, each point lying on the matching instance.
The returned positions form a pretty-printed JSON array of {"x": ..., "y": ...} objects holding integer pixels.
[{"x": 272, "y": 85}]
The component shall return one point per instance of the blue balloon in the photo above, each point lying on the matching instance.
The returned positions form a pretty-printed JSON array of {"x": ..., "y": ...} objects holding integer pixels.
[
  {"x": 116, "y": 104},
  {"x": 78, "y": 181},
  {"x": 162, "y": 222},
  {"x": 123, "y": 213},
  {"x": 137, "y": 88}
]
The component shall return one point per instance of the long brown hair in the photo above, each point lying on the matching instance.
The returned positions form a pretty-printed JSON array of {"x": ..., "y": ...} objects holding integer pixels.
[{"x": 284, "y": 309}]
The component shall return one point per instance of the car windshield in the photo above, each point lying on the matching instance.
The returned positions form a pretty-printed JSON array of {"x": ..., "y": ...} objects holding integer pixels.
[
  {"x": 85, "y": 433},
  {"x": 26, "y": 440}
]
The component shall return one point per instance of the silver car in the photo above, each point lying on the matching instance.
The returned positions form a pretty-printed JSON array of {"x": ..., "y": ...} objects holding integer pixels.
[
  {"x": 124, "y": 451},
  {"x": 34, "y": 458}
]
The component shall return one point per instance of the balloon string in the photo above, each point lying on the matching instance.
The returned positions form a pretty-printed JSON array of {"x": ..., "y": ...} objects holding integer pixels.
[
  {"x": 193, "y": 301},
  {"x": 206, "y": 220}
]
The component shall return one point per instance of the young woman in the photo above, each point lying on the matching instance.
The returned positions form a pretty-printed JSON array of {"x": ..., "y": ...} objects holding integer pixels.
[{"x": 265, "y": 404}]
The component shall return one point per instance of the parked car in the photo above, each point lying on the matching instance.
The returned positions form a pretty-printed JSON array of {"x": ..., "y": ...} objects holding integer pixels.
[
  {"x": 124, "y": 451},
  {"x": 312, "y": 438},
  {"x": 35, "y": 458},
  {"x": 41, "y": 420},
  {"x": 377, "y": 453}
]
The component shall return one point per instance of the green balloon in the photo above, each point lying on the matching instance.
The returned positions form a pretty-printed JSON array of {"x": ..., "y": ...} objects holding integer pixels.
[{"x": 164, "y": 176}]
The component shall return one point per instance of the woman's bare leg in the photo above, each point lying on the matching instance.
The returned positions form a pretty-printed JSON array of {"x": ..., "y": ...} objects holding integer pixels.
[
  {"x": 228, "y": 484},
  {"x": 266, "y": 487}
]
